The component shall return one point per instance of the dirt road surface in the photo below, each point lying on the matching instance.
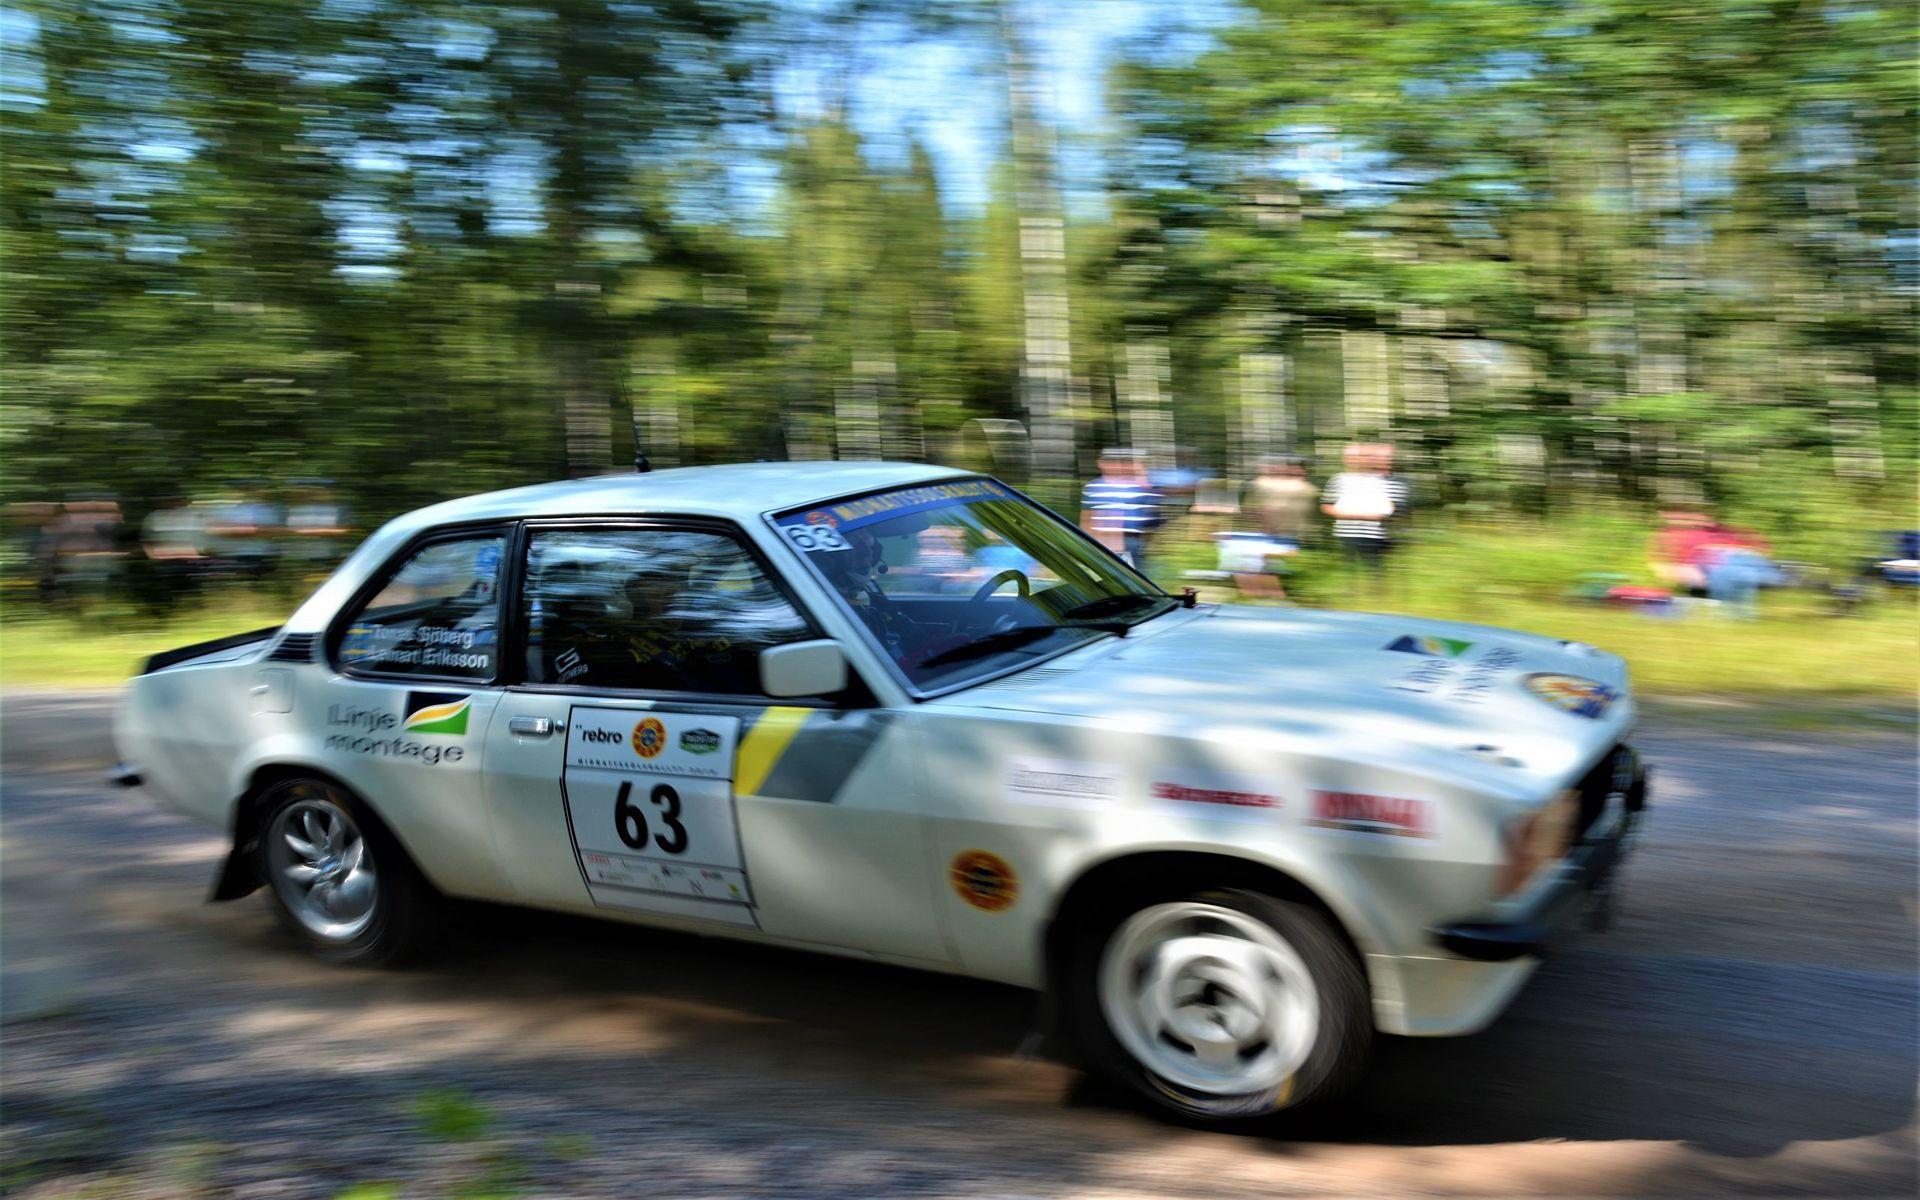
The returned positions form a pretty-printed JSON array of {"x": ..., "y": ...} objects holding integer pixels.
[{"x": 1749, "y": 1026}]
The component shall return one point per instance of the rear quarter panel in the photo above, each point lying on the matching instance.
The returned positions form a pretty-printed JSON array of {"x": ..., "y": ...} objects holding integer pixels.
[{"x": 200, "y": 735}]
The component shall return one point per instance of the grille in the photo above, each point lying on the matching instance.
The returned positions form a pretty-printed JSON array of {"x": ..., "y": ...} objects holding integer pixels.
[
  {"x": 294, "y": 647},
  {"x": 1593, "y": 788}
]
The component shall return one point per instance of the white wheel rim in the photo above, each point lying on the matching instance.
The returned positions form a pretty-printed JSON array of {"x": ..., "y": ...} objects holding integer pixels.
[
  {"x": 322, "y": 868},
  {"x": 1209, "y": 999}
]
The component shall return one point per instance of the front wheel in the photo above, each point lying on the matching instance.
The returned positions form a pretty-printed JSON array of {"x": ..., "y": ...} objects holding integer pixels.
[
  {"x": 1222, "y": 1005},
  {"x": 337, "y": 879}
]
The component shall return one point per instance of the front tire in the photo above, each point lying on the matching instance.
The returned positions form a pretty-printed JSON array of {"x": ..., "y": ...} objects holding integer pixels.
[
  {"x": 1222, "y": 1005},
  {"x": 336, "y": 878}
]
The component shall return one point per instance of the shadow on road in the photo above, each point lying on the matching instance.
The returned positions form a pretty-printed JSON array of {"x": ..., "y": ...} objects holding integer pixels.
[
  {"x": 177, "y": 1020},
  {"x": 1738, "y": 1058}
]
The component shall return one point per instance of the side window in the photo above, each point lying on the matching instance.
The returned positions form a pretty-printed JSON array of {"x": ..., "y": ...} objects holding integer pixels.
[
  {"x": 437, "y": 614},
  {"x": 650, "y": 609}
]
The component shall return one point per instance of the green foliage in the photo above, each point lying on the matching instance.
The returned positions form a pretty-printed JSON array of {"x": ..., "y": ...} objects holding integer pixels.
[
  {"x": 450, "y": 1115},
  {"x": 1561, "y": 255}
]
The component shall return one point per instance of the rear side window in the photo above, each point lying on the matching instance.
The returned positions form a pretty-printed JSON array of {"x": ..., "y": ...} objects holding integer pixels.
[
  {"x": 679, "y": 610},
  {"x": 437, "y": 615}
]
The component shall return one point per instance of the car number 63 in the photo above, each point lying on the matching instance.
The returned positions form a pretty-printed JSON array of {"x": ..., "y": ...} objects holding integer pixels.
[
  {"x": 815, "y": 537},
  {"x": 630, "y": 820}
]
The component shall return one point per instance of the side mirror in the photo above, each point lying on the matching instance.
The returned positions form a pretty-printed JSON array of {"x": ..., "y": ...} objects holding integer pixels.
[{"x": 816, "y": 668}]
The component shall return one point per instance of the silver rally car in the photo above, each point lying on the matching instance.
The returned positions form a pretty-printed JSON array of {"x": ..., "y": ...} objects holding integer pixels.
[{"x": 904, "y": 713}]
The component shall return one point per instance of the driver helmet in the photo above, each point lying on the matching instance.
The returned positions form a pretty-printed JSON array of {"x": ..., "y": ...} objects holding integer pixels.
[{"x": 852, "y": 569}]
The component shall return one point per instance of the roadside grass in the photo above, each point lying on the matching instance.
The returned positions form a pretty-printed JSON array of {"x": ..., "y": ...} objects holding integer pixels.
[
  {"x": 1798, "y": 666},
  {"x": 101, "y": 647}
]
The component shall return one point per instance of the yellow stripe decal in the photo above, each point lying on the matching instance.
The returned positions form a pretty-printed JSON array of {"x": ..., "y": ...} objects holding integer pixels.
[{"x": 763, "y": 745}]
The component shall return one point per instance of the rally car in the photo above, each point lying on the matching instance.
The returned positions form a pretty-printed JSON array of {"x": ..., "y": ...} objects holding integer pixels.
[{"x": 903, "y": 713}]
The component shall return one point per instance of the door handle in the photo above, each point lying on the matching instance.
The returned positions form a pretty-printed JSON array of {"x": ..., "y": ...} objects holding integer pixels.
[{"x": 531, "y": 726}]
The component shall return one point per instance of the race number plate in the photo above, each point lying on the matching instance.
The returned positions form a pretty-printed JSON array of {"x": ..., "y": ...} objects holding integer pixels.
[{"x": 650, "y": 802}]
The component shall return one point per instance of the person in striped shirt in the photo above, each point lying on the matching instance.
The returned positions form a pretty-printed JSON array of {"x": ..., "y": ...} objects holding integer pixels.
[
  {"x": 1120, "y": 508},
  {"x": 1363, "y": 501}
]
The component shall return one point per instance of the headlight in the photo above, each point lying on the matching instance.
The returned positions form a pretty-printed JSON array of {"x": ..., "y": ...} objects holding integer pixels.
[{"x": 1535, "y": 839}]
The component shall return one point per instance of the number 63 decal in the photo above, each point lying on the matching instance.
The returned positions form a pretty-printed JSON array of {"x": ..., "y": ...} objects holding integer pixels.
[
  {"x": 815, "y": 537},
  {"x": 630, "y": 821}
]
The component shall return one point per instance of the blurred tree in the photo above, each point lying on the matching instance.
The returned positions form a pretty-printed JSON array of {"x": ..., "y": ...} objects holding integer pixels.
[{"x": 1557, "y": 251}]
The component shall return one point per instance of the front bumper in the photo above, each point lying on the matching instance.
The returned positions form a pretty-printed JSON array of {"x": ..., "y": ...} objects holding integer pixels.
[{"x": 1585, "y": 874}]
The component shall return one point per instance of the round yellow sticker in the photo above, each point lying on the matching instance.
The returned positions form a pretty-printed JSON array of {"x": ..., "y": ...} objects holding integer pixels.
[
  {"x": 984, "y": 880},
  {"x": 649, "y": 737}
]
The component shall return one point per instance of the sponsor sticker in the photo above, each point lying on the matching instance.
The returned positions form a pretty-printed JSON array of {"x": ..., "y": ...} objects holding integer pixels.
[
  {"x": 651, "y": 742},
  {"x": 1359, "y": 812},
  {"x": 437, "y": 712},
  {"x": 1244, "y": 795},
  {"x": 377, "y": 732},
  {"x": 1570, "y": 693},
  {"x": 1062, "y": 783},
  {"x": 1463, "y": 681},
  {"x": 569, "y": 666},
  {"x": 649, "y": 737},
  {"x": 1438, "y": 647},
  {"x": 984, "y": 880}
]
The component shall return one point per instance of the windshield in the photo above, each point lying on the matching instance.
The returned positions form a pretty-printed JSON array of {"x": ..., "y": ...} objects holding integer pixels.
[{"x": 963, "y": 579}]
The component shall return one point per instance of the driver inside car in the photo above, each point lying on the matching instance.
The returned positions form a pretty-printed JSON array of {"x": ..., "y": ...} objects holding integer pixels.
[{"x": 854, "y": 573}]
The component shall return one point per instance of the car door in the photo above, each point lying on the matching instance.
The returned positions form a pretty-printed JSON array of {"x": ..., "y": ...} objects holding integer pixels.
[
  {"x": 636, "y": 767},
  {"x": 403, "y": 715}
]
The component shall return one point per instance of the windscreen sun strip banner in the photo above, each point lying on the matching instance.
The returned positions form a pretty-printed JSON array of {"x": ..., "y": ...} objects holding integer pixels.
[{"x": 845, "y": 515}]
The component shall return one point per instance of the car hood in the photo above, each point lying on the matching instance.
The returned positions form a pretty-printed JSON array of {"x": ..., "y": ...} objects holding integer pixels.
[{"x": 1495, "y": 709}]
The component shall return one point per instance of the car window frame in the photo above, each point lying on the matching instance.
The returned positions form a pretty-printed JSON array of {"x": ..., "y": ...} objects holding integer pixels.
[
  {"x": 770, "y": 517},
  {"x": 506, "y": 530},
  {"x": 856, "y": 695}
]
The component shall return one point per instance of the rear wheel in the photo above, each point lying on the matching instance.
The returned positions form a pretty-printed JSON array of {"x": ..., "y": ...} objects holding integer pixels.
[
  {"x": 337, "y": 879},
  {"x": 1221, "y": 1005}
]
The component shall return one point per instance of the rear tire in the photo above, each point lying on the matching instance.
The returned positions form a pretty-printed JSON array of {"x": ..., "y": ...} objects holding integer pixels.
[
  {"x": 337, "y": 879},
  {"x": 1220, "y": 1006}
]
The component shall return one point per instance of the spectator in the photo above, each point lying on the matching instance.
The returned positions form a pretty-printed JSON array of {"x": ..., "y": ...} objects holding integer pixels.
[
  {"x": 1283, "y": 497},
  {"x": 1677, "y": 551},
  {"x": 1120, "y": 508},
  {"x": 242, "y": 533},
  {"x": 1362, "y": 500},
  {"x": 86, "y": 547},
  {"x": 316, "y": 526},
  {"x": 170, "y": 537},
  {"x": 1736, "y": 566}
]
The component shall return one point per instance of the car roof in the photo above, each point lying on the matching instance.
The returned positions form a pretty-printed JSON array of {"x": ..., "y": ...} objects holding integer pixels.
[{"x": 737, "y": 490}]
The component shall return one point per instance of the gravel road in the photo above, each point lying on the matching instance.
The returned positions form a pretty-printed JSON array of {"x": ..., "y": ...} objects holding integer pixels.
[{"x": 1749, "y": 1026}]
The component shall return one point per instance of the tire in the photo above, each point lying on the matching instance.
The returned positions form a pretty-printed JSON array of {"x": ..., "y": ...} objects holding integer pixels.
[
  {"x": 1271, "y": 981},
  {"x": 338, "y": 880}
]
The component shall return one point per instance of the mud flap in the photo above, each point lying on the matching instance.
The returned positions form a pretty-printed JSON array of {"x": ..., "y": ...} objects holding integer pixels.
[{"x": 239, "y": 876}]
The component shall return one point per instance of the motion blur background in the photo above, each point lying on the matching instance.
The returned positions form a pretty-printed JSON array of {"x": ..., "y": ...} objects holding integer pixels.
[{"x": 275, "y": 271}]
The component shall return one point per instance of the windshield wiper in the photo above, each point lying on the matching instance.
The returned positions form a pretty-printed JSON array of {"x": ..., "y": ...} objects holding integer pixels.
[
  {"x": 1005, "y": 639},
  {"x": 1109, "y": 606}
]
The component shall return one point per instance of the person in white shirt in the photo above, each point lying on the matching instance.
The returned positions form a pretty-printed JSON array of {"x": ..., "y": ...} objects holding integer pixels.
[{"x": 1363, "y": 500}]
